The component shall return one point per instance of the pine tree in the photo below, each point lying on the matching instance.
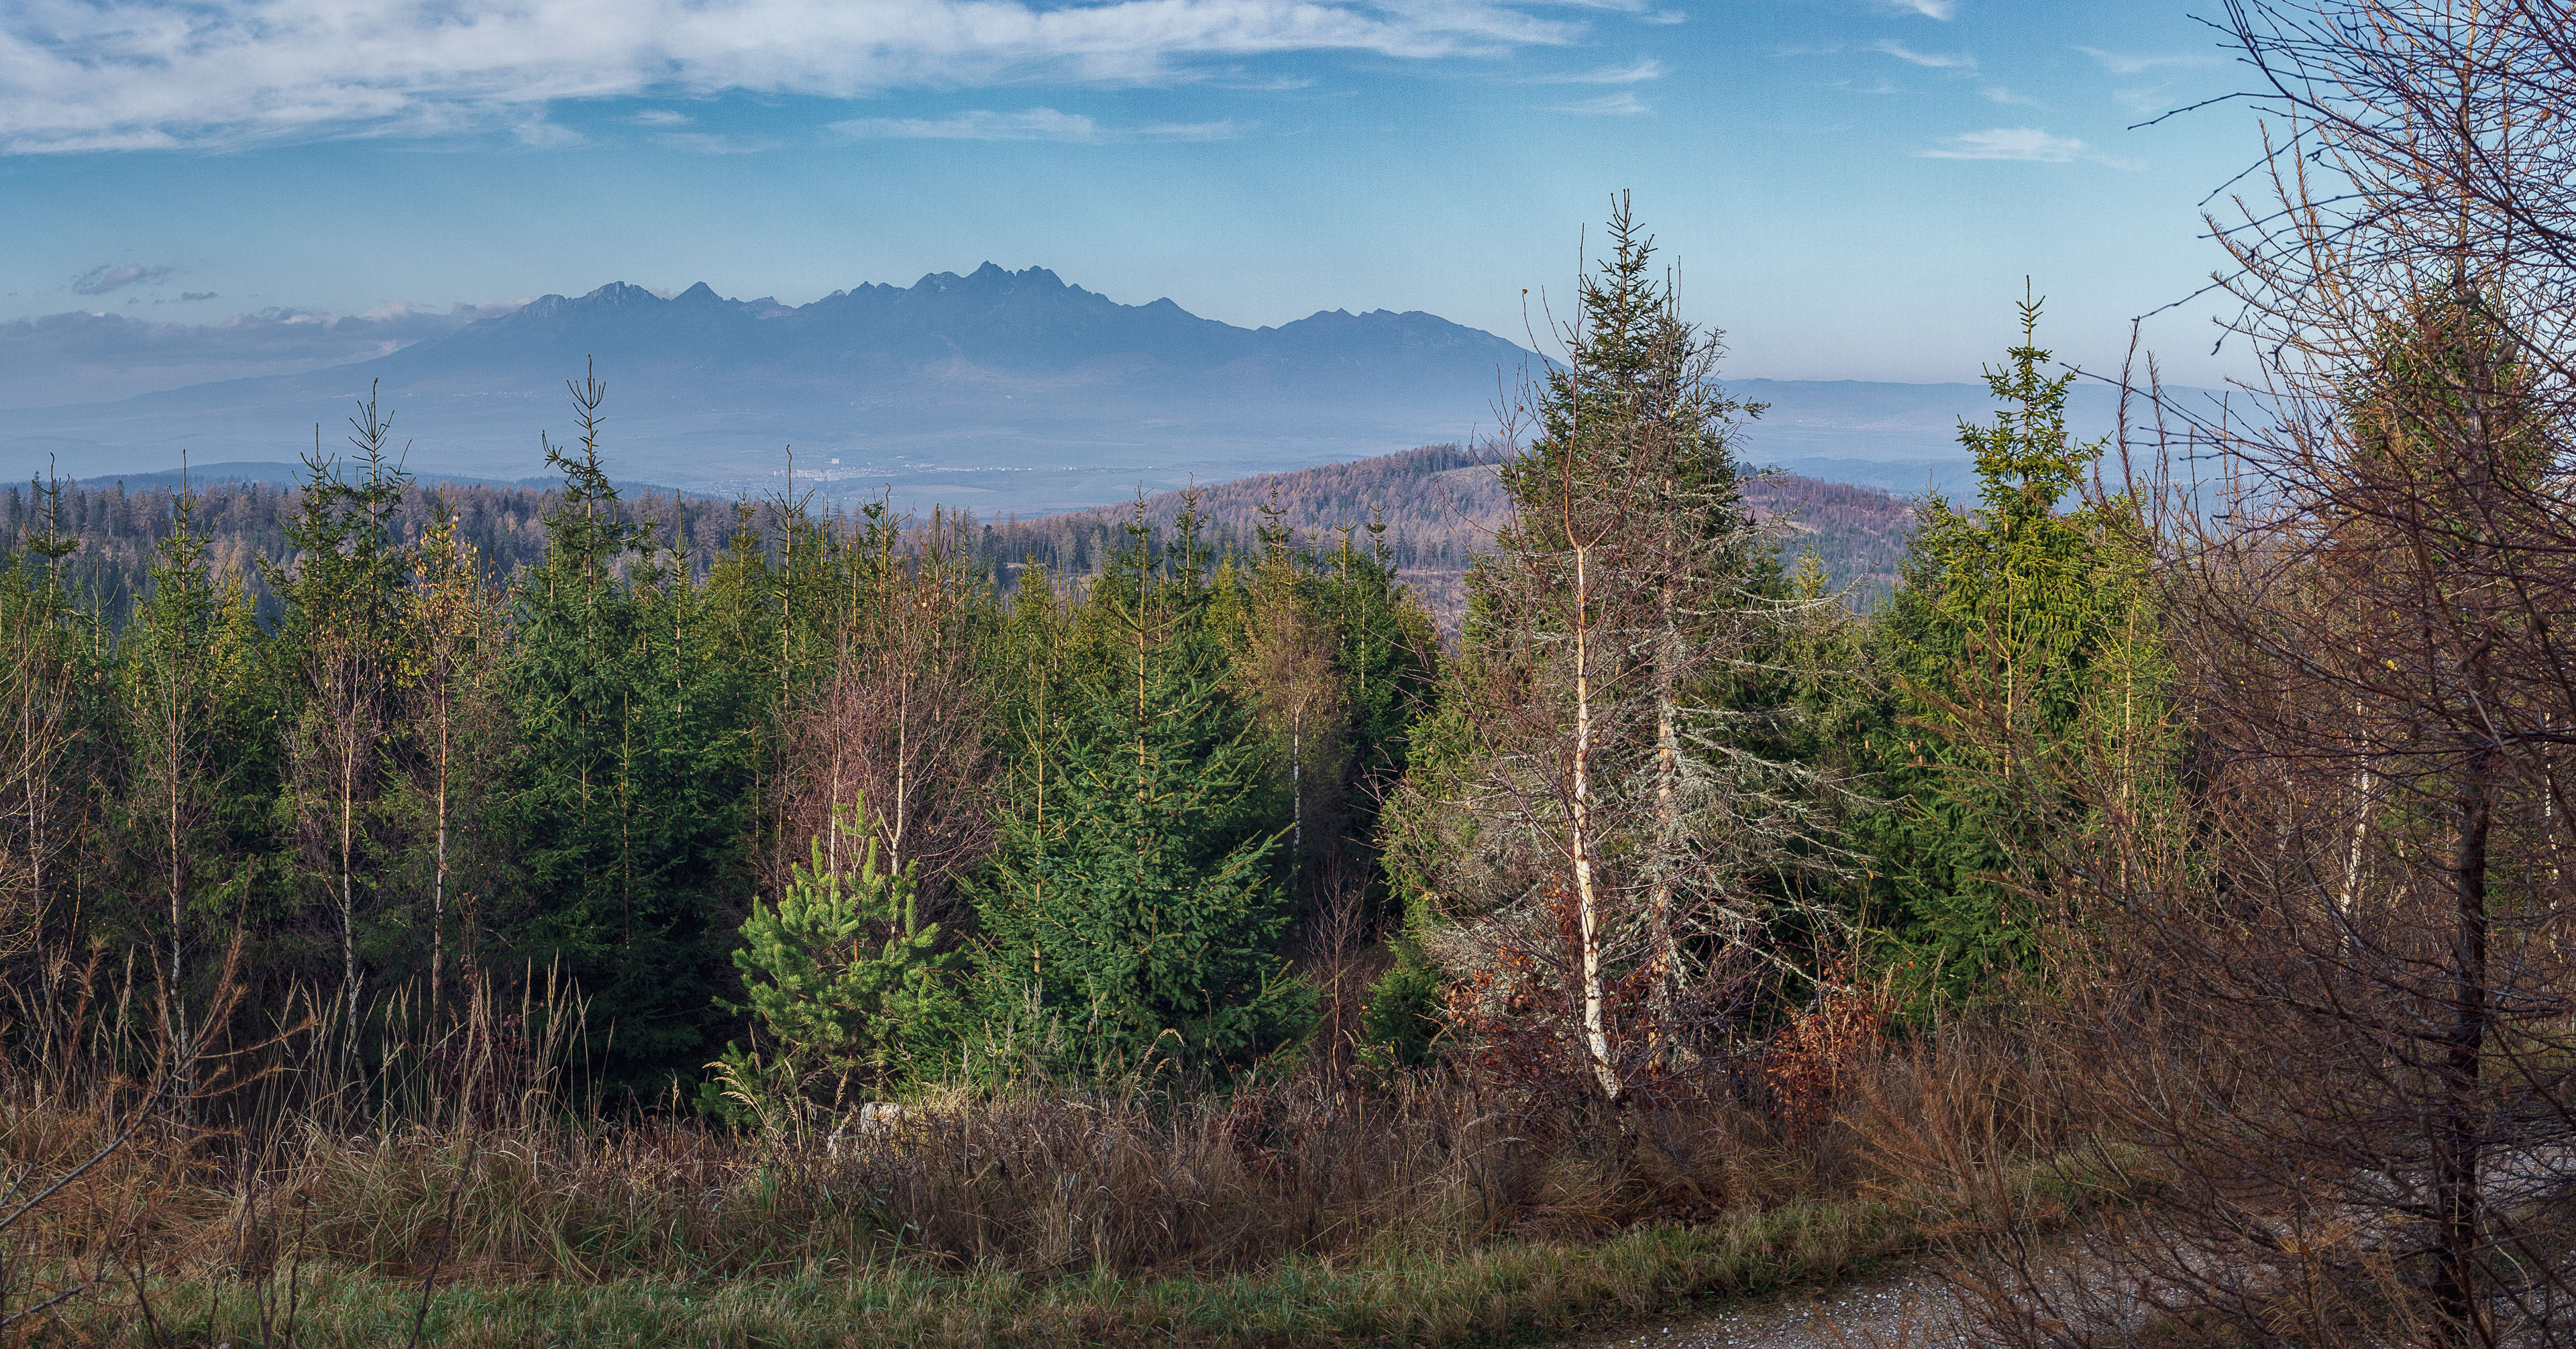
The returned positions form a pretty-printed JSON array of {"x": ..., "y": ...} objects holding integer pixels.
[{"x": 841, "y": 974}]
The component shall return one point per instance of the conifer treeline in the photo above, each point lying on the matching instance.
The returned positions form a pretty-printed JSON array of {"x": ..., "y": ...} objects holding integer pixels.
[
  {"x": 812, "y": 804},
  {"x": 470, "y": 739}
]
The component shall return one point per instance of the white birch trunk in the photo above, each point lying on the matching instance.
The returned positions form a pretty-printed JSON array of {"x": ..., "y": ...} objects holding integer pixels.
[{"x": 1587, "y": 900}]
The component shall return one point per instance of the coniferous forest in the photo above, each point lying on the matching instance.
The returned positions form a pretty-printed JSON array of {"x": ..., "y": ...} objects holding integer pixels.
[{"x": 441, "y": 915}]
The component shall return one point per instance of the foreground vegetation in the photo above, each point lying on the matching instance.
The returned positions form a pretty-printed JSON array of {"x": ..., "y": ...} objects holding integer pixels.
[{"x": 1290, "y": 1212}]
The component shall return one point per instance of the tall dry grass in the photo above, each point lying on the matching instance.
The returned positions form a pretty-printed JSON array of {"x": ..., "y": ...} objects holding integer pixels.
[{"x": 275, "y": 1159}]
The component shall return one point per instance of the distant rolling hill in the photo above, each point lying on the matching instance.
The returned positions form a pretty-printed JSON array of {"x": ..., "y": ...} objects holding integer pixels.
[
  {"x": 1440, "y": 504},
  {"x": 998, "y": 391}
]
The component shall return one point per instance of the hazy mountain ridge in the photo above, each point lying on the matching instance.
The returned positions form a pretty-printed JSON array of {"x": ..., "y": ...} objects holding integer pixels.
[{"x": 999, "y": 391}]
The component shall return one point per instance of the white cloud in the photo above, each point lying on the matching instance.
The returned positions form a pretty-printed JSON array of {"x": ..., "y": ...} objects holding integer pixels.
[
  {"x": 2028, "y": 144},
  {"x": 107, "y": 276},
  {"x": 1996, "y": 93},
  {"x": 2119, "y": 63},
  {"x": 661, "y": 117},
  {"x": 129, "y": 74},
  {"x": 1930, "y": 9},
  {"x": 539, "y": 134},
  {"x": 1936, "y": 60},
  {"x": 1621, "y": 104},
  {"x": 1642, "y": 69},
  {"x": 1664, "y": 16},
  {"x": 1035, "y": 124}
]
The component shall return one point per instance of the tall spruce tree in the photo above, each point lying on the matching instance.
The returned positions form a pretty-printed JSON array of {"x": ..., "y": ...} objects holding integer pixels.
[
  {"x": 2010, "y": 621},
  {"x": 1595, "y": 819},
  {"x": 49, "y": 671},
  {"x": 1135, "y": 893},
  {"x": 633, "y": 780},
  {"x": 203, "y": 770}
]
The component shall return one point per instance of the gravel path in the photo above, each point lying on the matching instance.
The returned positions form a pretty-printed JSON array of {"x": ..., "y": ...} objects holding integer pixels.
[{"x": 1903, "y": 1309}]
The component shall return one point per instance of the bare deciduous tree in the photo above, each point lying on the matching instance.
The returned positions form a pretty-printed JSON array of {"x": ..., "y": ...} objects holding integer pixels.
[
  {"x": 2337, "y": 999},
  {"x": 899, "y": 721}
]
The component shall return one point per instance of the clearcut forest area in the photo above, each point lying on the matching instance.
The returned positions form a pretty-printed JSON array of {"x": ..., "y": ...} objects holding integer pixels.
[{"x": 1562, "y": 889}]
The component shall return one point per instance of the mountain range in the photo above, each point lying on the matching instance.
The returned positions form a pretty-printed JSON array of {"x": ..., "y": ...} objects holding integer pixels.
[{"x": 998, "y": 391}]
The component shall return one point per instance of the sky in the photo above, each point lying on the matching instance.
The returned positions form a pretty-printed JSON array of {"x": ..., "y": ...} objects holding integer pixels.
[{"x": 1851, "y": 189}]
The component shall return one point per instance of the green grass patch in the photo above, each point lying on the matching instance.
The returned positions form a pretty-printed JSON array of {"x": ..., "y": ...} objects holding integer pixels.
[{"x": 1513, "y": 1291}]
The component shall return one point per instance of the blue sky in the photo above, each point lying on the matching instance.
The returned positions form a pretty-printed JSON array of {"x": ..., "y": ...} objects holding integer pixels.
[{"x": 1852, "y": 188}]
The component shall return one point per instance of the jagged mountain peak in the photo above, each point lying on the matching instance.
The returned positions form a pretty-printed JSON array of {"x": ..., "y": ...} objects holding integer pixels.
[{"x": 993, "y": 276}]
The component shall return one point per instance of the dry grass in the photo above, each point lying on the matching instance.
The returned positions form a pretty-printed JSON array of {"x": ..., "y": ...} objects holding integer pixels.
[{"x": 453, "y": 1186}]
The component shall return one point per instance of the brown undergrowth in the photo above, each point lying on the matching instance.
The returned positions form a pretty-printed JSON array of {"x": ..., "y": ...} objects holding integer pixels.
[{"x": 225, "y": 1189}]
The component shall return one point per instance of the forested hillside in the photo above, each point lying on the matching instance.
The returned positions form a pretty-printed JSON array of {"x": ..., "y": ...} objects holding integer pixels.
[{"x": 1434, "y": 508}]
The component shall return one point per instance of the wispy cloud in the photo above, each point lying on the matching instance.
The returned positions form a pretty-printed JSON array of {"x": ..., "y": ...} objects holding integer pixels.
[
  {"x": 106, "y": 277},
  {"x": 710, "y": 143},
  {"x": 2143, "y": 102},
  {"x": 1664, "y": 16},
  {"x": 2027, "y": 144},
  {"x": 1621, "y": 104},
  {"x": 1930, "y": 9},
  {"x": 2121, "y": 63},
  {"x": 1996, "y": 93},
  {"x": 1936, "y": 60},
  {"x": 1035, "y": 124},
  {"x": 1635, "y": 72},
  {"x": 129, "y": 74},
  {"x": 661, "y": 117}
]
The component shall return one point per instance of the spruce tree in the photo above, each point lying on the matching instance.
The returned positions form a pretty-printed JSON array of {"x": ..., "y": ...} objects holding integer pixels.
[
  {"x": 2009, "y": 623},
  {"x": 630, "y": 801},
  {"x": 197, "y": 724},
  {"x": 1135, "y": 893},
  {"x": 1595, "y": 822},
  {"x": 342, "y": 588},
  {"x": 49, "y": 671}
]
